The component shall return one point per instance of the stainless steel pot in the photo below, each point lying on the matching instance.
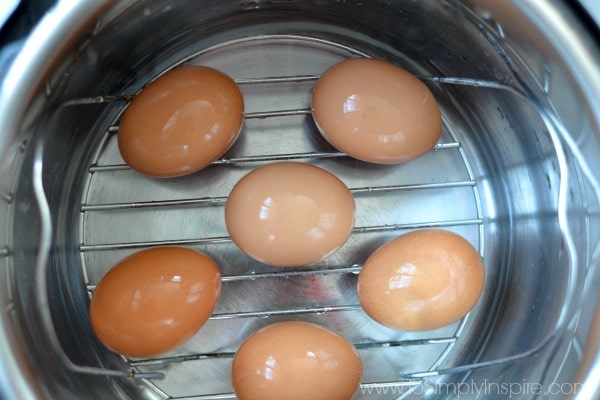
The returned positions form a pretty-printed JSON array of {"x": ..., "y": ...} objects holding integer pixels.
[{"x": 516, "y": 172}]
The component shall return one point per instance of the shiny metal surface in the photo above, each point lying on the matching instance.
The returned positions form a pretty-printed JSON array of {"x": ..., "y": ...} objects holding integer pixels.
[
  {"x": 515, "y": 173},
  {"x": 190, "y": 211}
]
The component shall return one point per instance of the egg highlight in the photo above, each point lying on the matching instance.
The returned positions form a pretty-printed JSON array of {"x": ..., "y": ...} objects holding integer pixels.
[
  {"x": 376, "y": 111},
  {"x": 181, "y": 122},
  {"x": 289, "y": 214},
  {"x": 154, "y": 300},
  {"x": 296, "y": 361},
  {"x": 422, "y": 280}
]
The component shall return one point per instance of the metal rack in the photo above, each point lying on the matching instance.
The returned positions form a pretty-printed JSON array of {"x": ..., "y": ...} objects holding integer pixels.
[
  {"x": 449, "y": 147},
  {"x": 106, "y": 171},
  {"x": 353, "y": 269}
]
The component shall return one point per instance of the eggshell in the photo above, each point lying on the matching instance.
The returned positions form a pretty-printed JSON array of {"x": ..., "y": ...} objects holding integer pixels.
[
  {"x": 422, "y": 280},
  {"x": 181, "y": 122},
  {"x": 376, "y": 111},
  {"x": 154, "y": 300},
  {"x": 296, "y": 361},
  {"x": 289, "y": 214}
]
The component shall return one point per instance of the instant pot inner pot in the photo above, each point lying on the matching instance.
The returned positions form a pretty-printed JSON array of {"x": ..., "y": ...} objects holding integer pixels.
[{"x": 493, "y": 178}]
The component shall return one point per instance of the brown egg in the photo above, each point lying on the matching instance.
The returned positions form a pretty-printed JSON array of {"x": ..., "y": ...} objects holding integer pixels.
[
  {"x": 181, "y": 122},
  {"x": 296, "y": 361},
  {"x": 375, "y": 111},
  {"x": 154, "y": 300},
  {"x": 422, "y": 280},
  {"x": 289, "y": 214}
]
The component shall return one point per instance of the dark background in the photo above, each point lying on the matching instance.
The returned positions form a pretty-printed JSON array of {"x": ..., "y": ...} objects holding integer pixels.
[{"x": 23, "y": 19}]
